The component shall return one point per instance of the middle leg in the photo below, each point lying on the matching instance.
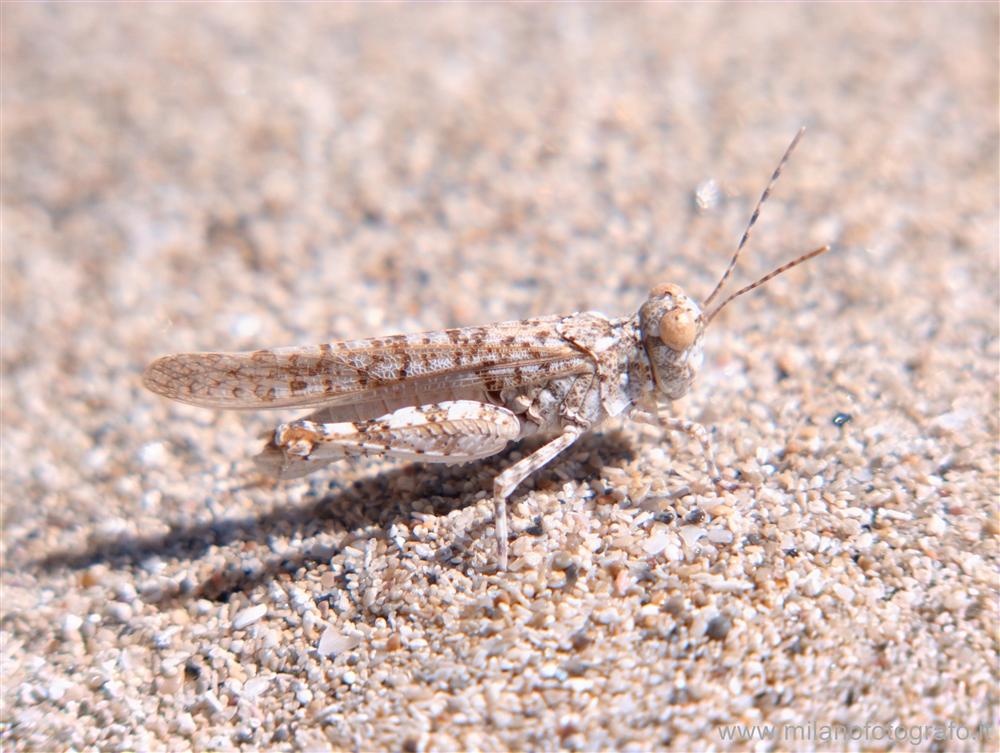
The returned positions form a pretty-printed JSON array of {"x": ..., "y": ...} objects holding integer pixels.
[{"x": 506, "y": 482}]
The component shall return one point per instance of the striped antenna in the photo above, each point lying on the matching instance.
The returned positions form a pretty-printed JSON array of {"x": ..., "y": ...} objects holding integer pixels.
[
  {"x": 765, "y": 278},
  {"x": 753, "y": 221}
]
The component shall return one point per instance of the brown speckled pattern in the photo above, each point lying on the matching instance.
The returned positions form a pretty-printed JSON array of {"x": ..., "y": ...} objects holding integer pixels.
[{"x": 222, "y": 177}]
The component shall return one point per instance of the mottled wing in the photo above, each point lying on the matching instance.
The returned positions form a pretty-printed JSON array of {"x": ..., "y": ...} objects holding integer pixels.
[{"x": 387, "y": 371}]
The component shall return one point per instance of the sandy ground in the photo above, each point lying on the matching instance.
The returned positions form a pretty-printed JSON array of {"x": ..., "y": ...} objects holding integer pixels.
[{"x": 196, "y": 178}]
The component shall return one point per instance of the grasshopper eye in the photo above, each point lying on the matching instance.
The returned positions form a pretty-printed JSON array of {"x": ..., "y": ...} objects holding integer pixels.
[{"x": 678, "y": 329}]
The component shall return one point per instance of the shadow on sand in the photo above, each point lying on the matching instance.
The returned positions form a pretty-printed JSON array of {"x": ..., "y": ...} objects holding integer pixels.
[{"x": 381, "y": 500}]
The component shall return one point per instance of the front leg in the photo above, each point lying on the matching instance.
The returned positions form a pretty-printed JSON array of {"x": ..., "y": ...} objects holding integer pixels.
[
  {"x": 506, "y": 482},
  {"x": 696, "y": 431}
]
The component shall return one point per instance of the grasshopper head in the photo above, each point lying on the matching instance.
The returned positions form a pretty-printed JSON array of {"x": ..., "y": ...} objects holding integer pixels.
[{"x": 671, "y": 325}]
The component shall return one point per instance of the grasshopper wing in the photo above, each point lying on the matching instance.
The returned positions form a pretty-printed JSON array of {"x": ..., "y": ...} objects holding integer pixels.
[{"x": 376, "y": 375}]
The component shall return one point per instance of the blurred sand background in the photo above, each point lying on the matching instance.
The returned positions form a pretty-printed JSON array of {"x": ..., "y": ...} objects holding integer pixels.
[{"x": 231, "y": 177}]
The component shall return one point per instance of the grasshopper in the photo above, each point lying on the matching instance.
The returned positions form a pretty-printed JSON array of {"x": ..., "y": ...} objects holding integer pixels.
[{"x": 457, "y": 395}]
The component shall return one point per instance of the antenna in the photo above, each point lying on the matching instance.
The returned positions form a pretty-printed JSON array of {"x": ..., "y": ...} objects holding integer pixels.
[
  {"x": 765, "y": 278},
  {"x": 746, "y": 233}
]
